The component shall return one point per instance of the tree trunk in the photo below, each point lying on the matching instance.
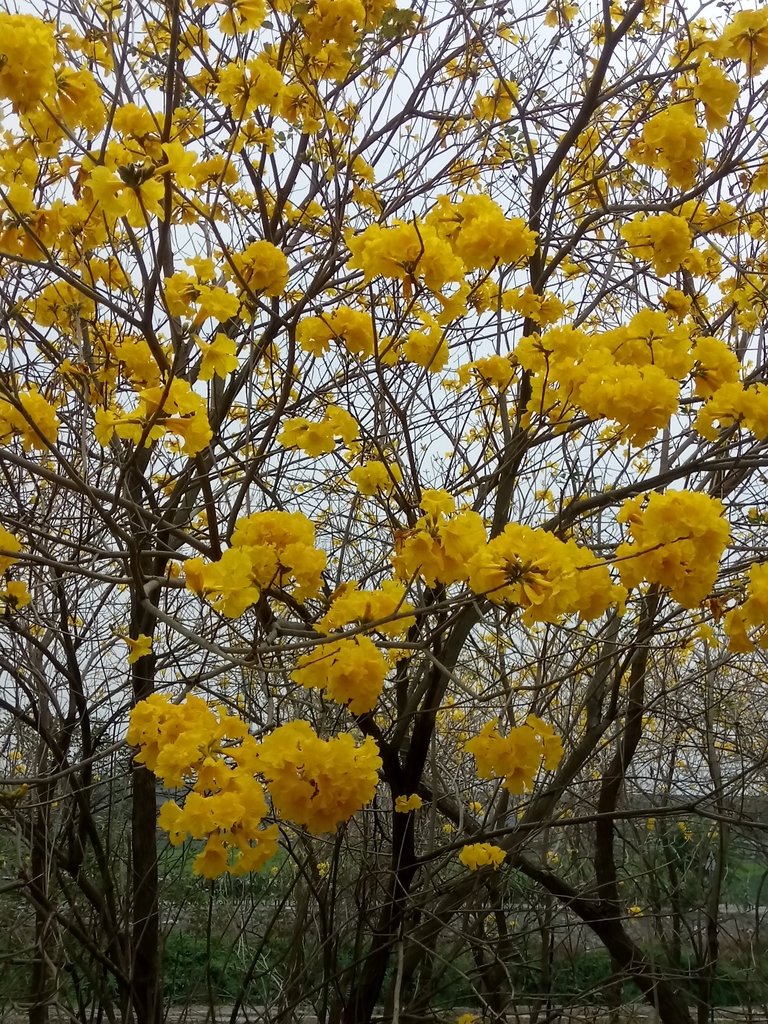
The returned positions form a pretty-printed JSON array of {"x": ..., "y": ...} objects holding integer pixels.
[
  {"x": 145, "y": 987},
  {"x": 145, "y": 974},
  {"x": 41, "y": 980}
]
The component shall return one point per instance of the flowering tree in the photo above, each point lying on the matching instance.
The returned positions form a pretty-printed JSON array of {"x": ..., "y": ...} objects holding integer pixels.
[{"x": 382, "y": 428}]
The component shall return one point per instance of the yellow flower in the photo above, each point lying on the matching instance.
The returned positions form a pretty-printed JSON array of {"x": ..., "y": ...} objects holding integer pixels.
[
  {"x": 353, "y": 328},
  {"x": 314, "y": 782},
  {"x": 427, "y": 348},
  {"x": 747, "y": 625},
  {"x": 480, "y": 234},
  {"x": 517, "y": 756},
  {"x": 16, "y": 595},
  {"x": 319, "y": 438},
  {"x": 498, "y": 105},
  {"x": 348, "y": 605},
  {"x": 732, "y": 403},
  {"x": 376, "y": 477},
  {"x": 677, "y": 539},
  {"x": 242, "y": 16},
  {"x": 673, "y": 142},
  {"x": 214, "y": 754},
  {"x": 9, "y": 546},
  {"x": 480, "y": 855},
  {"x": 29, "y": 52},
  {"x": 351, "y": 671},
  {"x": 405, "y": 804},
  {"x": 262, "y": 267},
  {"x": 542, "y": 309},
  {"x": 138, "y": 647},
  {"x": 545, "y": 576},
  {"x": 746, "y": 39},
  {"x": 219, "y": 356},
  {"x": 664, "y": 240},
  {"x": 717, "y": 92},
  {"x": 245, "y": 86},
  {"x": 716, "y": 365},
  {"x": 405, "y": 251},
  {"x": 440, "y": 545},
  {"x": 32, "y": 417}
]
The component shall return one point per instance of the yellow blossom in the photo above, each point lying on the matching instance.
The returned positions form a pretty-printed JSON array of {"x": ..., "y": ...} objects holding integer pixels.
[
  {"x": 481, "y": 855},
  {"x": 677, "y": 539},
  {"x": 138, "y": 647},
  {"x": 405, "y": 804},
  {"x": 351, "y": 671},
  {"x": 315, "y": 782}
]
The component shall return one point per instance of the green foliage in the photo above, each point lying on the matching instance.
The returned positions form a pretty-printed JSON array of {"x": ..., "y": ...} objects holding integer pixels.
[{"x": 193, "y": 968}]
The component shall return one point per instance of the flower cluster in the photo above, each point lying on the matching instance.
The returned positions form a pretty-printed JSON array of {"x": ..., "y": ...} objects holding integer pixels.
[
  {"x": 353, "y": 328},
  {"x": 29, "y": 416},
  {"x": 405, "y": 251},
  {"x": 455, "y": 239},
  {"x": 747, "y": 625},
  {"x": 406, "y": 804},
  {"x": 386, "y": 607},
  {"x": 542, "y": 309},
  {"x": 172, "y": 408},
  {"x": 488, "y": 372},
  {"x": 745, "y": 39},
  {"x": 219, "y": 357},
  {"x": 191, "y": 744},
  {"x": 193, "y": 297},
  {"x": 479, "y": 233},
  {"x": 375, "y": 477},
  {"x": 439, "y": 546},
  {"x": 630, "y": 375},
  {"x": 13, "y": 593},
  {"x": 319, "y": 437},
  {"x": 545, "y": 576},
  {"x": 732, "y": 403},
  {"x": 29, "y": 52},
  {"x": 673, "y": 142},
  {"x": 332, "y": 30},
  {"x": 245, "y": 85},
  {"x": 427, "y": 346},
  {"x": 314, "y": 782},
  {"x": 496, "y": 105},
  {"x": 663, "y": 240},
  {"x": 350, "y": 670},
  {"x": 716, "y": 365},
  {"x": 481, "y": 855},
  {"x": 517, "y": 756},
  {"x": 9, "y": 546},
  {"x": 62, "y": 304},
  {"x": 268, "y": 549},
  {"x": 717, "y": 92},
  {"x": 261, "y": 268},
  {"x": 677, "y": 539}
]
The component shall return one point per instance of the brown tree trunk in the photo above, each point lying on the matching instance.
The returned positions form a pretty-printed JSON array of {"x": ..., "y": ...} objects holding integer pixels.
[
  {"x": 41, "y": 979},
  {"x": 145, "y": 973},
  {"x": 145, "y": 986}
]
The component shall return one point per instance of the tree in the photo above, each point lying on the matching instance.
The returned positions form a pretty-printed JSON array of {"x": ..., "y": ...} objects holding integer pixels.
[{"x": 382, "y": 435}]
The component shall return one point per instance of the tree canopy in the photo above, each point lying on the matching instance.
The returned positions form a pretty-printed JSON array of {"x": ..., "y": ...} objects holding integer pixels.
[{"x": 383, "y": 428}]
